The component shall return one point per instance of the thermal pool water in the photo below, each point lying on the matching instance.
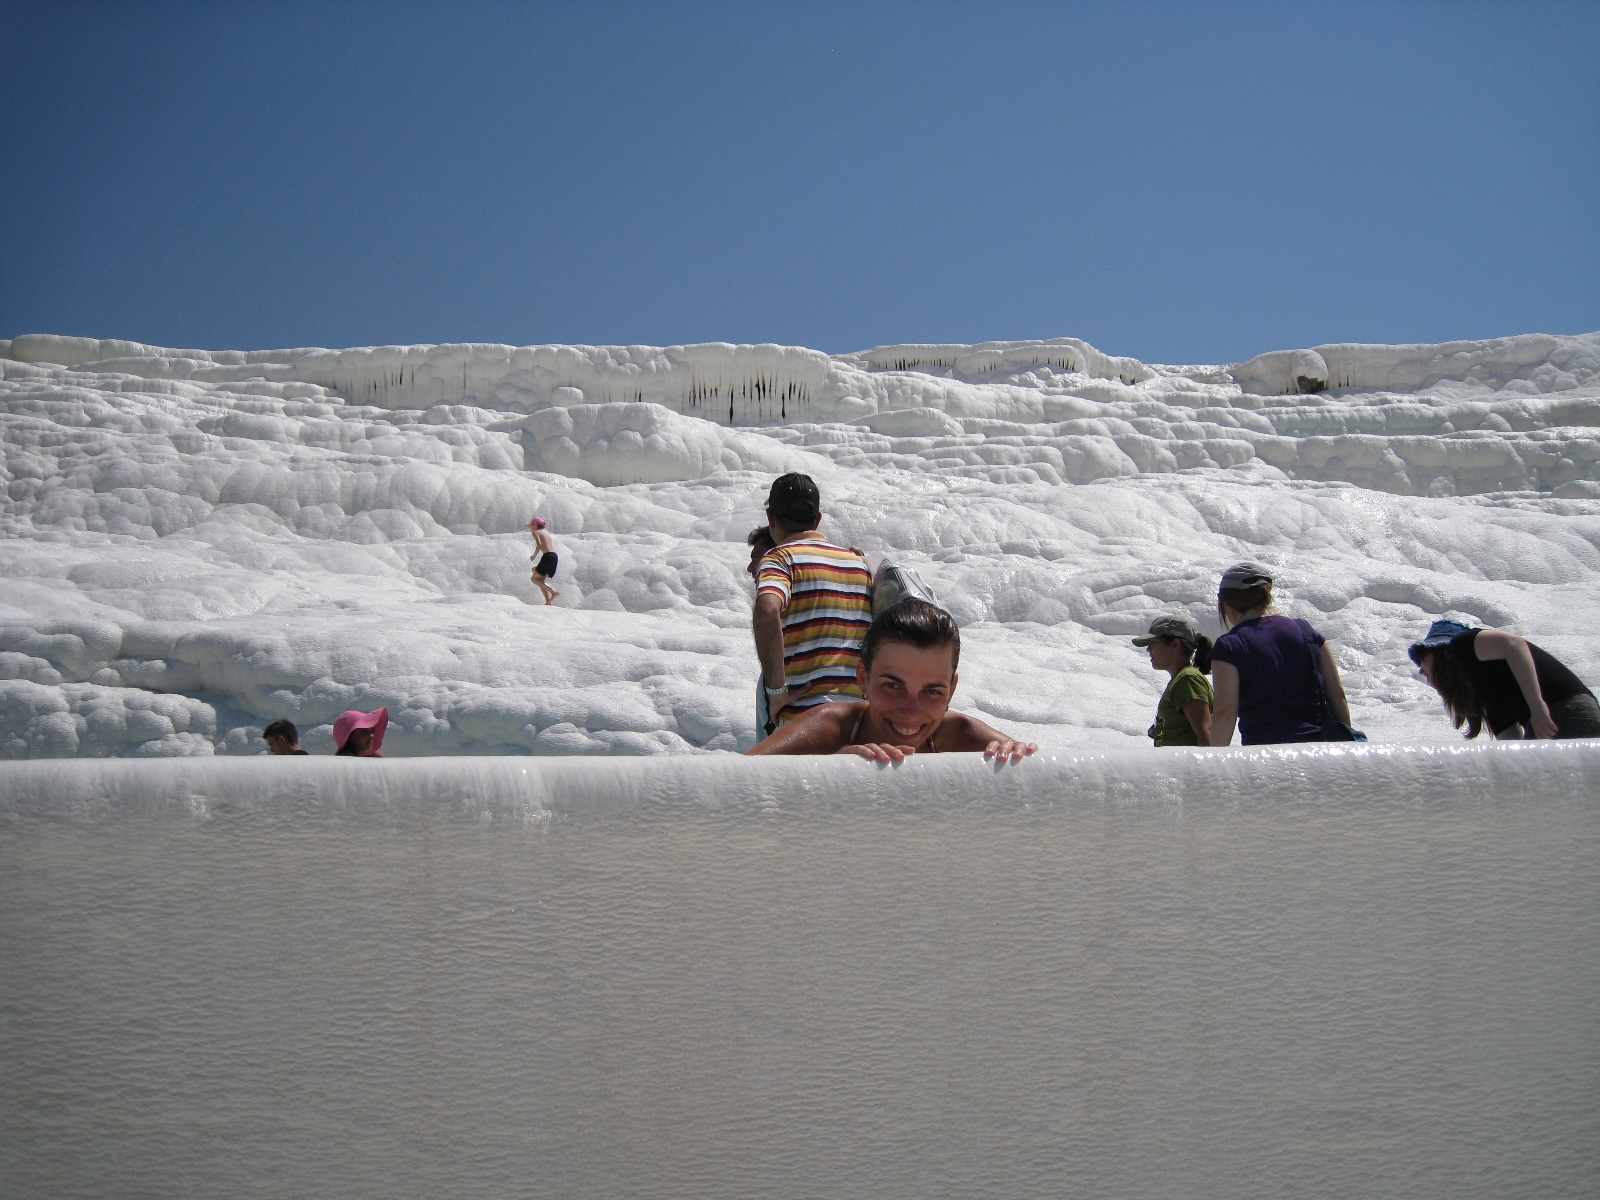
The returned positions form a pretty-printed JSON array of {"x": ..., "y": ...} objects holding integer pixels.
[{"x": 1328, "y": 970}]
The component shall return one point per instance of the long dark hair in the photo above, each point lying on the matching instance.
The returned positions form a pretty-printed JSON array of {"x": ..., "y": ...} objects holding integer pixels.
[
  {"x": 916, "y": 623},
  {"x": 1198, "y": 656},
  {"x": 1455, "y": 688}
]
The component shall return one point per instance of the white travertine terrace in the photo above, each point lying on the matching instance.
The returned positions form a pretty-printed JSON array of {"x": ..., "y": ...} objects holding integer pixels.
[{"x": 197, "y": 542}]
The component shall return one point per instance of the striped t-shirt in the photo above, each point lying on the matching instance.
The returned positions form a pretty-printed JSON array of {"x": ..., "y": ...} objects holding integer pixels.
[{"x": 827, "y": 605}]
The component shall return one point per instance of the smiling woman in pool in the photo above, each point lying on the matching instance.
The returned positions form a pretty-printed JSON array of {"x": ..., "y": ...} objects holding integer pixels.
[{"x": 908, "y": 672}]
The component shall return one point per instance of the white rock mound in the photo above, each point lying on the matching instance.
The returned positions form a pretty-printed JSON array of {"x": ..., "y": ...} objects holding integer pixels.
[{"x": 610, "y": 444}]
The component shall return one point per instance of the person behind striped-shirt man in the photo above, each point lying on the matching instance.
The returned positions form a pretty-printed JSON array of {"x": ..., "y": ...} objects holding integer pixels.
[{"x": 813, "y": 606}]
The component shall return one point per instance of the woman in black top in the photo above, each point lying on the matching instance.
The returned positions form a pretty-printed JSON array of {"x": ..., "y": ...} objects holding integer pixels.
[{"x": 1490, "y": 677}]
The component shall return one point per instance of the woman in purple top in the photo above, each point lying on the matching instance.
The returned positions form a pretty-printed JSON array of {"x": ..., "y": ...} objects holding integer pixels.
[{"x": 1261, "y": 668}]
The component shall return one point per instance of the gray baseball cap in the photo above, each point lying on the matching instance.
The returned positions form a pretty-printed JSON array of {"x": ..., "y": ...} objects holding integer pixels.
[
  {"x": 1175, "y": 626},
  {"x": 1245, "y": 575}
]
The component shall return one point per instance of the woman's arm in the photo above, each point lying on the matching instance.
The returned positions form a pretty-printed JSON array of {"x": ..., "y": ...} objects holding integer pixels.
[
  {"x": 1497, "y": 645},
  {"x": 963, "y": 733},
  {"x": 820, "y": 730},
  {"x": 1333, "y": 687},
  {"x": 1225, "y": 713},
  {"x": 1199, "y": 714}
]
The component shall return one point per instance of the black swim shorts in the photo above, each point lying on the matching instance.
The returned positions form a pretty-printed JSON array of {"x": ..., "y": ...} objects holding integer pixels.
[{"x": 547, "y": 565}]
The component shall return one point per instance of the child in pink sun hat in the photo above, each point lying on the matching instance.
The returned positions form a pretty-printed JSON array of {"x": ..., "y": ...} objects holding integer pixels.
[{"x": 360, "y": 734}]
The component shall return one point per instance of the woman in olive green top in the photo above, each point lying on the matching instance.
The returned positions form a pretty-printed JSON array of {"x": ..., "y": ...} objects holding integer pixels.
[{"x": 1176, "y": 646}]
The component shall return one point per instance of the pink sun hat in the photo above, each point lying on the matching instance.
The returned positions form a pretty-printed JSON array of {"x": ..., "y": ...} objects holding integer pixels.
[
  {"x": 348, "y": 722},
  {"x": 536, "y": 523}
]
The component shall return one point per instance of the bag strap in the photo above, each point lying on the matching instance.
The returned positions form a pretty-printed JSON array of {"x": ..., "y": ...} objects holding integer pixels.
[
  {"x": 1316, "y": 667},
  {"x": 1322, "y": 688}
]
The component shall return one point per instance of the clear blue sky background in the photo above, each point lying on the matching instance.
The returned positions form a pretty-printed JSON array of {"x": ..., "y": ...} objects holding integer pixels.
[{"x": 1182, "y": 182}]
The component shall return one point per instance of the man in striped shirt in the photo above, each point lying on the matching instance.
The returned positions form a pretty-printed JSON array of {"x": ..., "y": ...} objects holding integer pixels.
[{"x": 813, "y": 606}]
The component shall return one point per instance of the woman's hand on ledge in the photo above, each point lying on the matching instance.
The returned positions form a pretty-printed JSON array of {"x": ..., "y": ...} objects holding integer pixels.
[
  {"x": 1004, "y": 748},
  {"x": 879, "y": 752}
]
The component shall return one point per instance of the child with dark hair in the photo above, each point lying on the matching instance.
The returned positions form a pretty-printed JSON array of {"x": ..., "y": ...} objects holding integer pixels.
[
  {"x": 1494, "y": 678},
  {"x": 760, "y": 541},
  {"x": 282, "y": 737},
  {"x": 908, "y": 674}
]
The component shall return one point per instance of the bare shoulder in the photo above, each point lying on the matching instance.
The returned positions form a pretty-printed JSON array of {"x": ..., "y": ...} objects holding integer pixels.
[
  {"x": 963, "y": 734},
  {"x": 1492, "y": 644},
  {"x": 820, "y": 730}
]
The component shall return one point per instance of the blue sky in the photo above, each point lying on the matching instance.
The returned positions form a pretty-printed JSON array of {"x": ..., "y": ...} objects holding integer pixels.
[{"x": 1179, "y": 182}]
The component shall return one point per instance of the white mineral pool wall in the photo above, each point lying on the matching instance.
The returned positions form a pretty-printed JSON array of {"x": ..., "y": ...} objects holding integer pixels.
[{"x": 1341, "y": 971}]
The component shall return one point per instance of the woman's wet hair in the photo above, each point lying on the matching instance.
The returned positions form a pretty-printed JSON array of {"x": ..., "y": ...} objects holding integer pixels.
[
  {"x": 1197, "y": 656},
  {"x": 913, "y": 622},
  {"x": 759, "y": 535},
  {"x": 1242, "y": 600},
  {"x": 1455, "y": 688}
]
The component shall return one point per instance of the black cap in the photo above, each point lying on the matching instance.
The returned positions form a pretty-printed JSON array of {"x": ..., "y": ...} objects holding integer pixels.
[{"x": 794, "y": 501}]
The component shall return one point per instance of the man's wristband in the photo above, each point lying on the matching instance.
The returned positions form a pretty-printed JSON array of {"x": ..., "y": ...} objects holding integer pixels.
[{"x": 776, "y": 691}]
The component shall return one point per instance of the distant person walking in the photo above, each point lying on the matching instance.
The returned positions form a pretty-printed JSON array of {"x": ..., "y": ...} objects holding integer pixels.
[
  {"x": 282, "y": 738},
  {"x": 359, "y": 734},
  {"x": 1183, "y": 714},
  {"x": 1274, "y": 677},
  {"x": 544, "y": 559},
  {"x": 1490, "y": 677},
  {"x": 813, "y": 606}
]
